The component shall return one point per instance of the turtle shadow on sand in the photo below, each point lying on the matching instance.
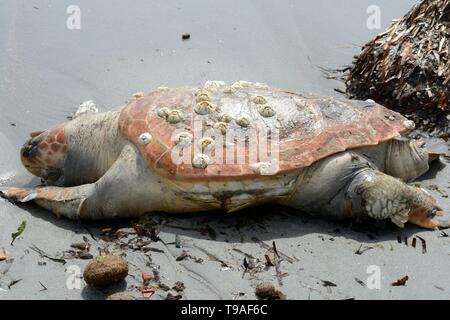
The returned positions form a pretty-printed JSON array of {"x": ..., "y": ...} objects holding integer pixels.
[{"x": 263, "y": 223}]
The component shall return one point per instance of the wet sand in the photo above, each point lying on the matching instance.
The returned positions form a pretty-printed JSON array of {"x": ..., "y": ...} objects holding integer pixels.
[{"x": 47, "y": 70}]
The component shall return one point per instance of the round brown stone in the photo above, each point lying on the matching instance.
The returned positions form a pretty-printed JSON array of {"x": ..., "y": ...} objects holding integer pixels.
[{"x": 106, "y": 270}]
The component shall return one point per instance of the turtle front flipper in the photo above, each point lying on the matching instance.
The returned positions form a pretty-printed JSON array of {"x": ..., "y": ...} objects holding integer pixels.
[
  {"x": 384, "y": 197},
  {"x": 65, "y": 202}
]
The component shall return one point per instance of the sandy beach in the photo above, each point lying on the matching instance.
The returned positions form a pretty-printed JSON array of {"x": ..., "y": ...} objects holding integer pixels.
[{"x": 47, "y": 70}]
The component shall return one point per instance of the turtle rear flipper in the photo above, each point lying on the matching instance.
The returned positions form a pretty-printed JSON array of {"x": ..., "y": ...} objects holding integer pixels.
[{"x": 61, "y": 201}]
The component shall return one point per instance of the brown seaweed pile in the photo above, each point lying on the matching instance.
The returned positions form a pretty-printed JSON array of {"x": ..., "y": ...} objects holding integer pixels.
[{"x": 407, "y": 67}]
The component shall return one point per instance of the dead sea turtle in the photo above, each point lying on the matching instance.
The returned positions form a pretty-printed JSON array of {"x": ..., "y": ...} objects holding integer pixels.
[{"x": 229, "y": 147}]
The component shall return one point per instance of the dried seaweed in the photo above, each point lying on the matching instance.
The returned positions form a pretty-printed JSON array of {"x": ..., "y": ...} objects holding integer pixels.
[
  {"x": 359, "y": 281},
  {"x": 46, "y": 255},
  {"x": 400, "y": 282},
  {"x": 20, "y": 230},
  {"x": 361, "y": 250},
  {"x": 268, "y": 261},
  {"x": 277, "y": 261},
  {"x": 424, "y": 244},
  {"x": 327, "y": 283},
  {"x": 281, "y": 254},
  {"x": 407, "y": 67}
]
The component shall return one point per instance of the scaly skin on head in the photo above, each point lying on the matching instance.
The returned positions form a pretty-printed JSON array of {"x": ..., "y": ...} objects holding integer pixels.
[
  {"x": 45, "y": 153},
  {"x": 76, "y": 152}
]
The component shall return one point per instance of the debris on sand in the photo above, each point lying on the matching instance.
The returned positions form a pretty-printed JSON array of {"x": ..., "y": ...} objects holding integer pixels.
[
  {"x": 3, "y": 255},
  {"x": 361, "y": 250},
  {"x": 20, "y": 230},
  {"x": 120, "y": 296},
  {"x": 400, "y": 282},
  {"x": 424, "y": 244},
  {"x": 268, "y": 247},
  {"x": 327, "y": 283},
  {"x": 244, "y": 253},
  {"x": 213, "y": 257},
  {"x": 277, "y": 261},
  {"x": 185, "y": 36},
  {"x": 46, "y": 255},
  {"x": 182, "y": 256},
  {"x": 148, "y": 292},
  {"x": 172, "y": 297},
  {"x": 179, "y": 286},
  {"x": 82, "y": 251},
  {"x": 106, "y": 270},
  {"x": 407, "y": 67},
  {"x": 268, "y": 261},
  {"x": 147, "y": 277},
  {"x": 360, "y": 282},
  {"x": 177, "y": 241},
  {"x": 14, "y": 282},
  {"x": 44, "y": 288},
  {"x": 436, "y": 188},
  {"x": 266, "y": 291},
  {"x": 80, "y": 246},
  {"x": 185, "y": 255}
]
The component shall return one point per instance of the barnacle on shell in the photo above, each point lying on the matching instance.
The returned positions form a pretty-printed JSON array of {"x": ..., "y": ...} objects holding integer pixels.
[
  {"x": 175, "y": 116},
  {"x": 266, "y": 111},
  {"x": 243, "y": 122},
  {"x": 203, "y": 108},
  {"x": 221, "y": 126},
  {"x": 201, "y": 161}
]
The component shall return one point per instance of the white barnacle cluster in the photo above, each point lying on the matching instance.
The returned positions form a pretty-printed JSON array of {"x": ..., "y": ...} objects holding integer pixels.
[
  {"x": 85, "y": 107},
  {"x": 233, "y": 88},
  {"x": 201, "y": 161},
  {"x": 263, "y": 108},
  {"x": 202, "y": 95},
  {"x": 221, "y": 126},
  {"x": 203, "y": 108},
  {"x": 172, "y": 116},
  {"x": 145, "y": 138},
  {"x": 183, "y": 139},
  {"x": 138, "y": 95},
  {"x": 266, "y": 111},
  {"x": 214, "y": 85},
  {"x": 262, "y": 168},
  {"x": 225, "y": 117},
  {"x": 409, "y": 124},
  {"x": 243, "y": 122},
  {"x": 203, "y": 101},
  {"x": 206, "y": 144}
]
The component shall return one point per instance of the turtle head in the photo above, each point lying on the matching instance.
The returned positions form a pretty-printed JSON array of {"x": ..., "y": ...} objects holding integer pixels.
[{"x": 45, "y": 153}]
